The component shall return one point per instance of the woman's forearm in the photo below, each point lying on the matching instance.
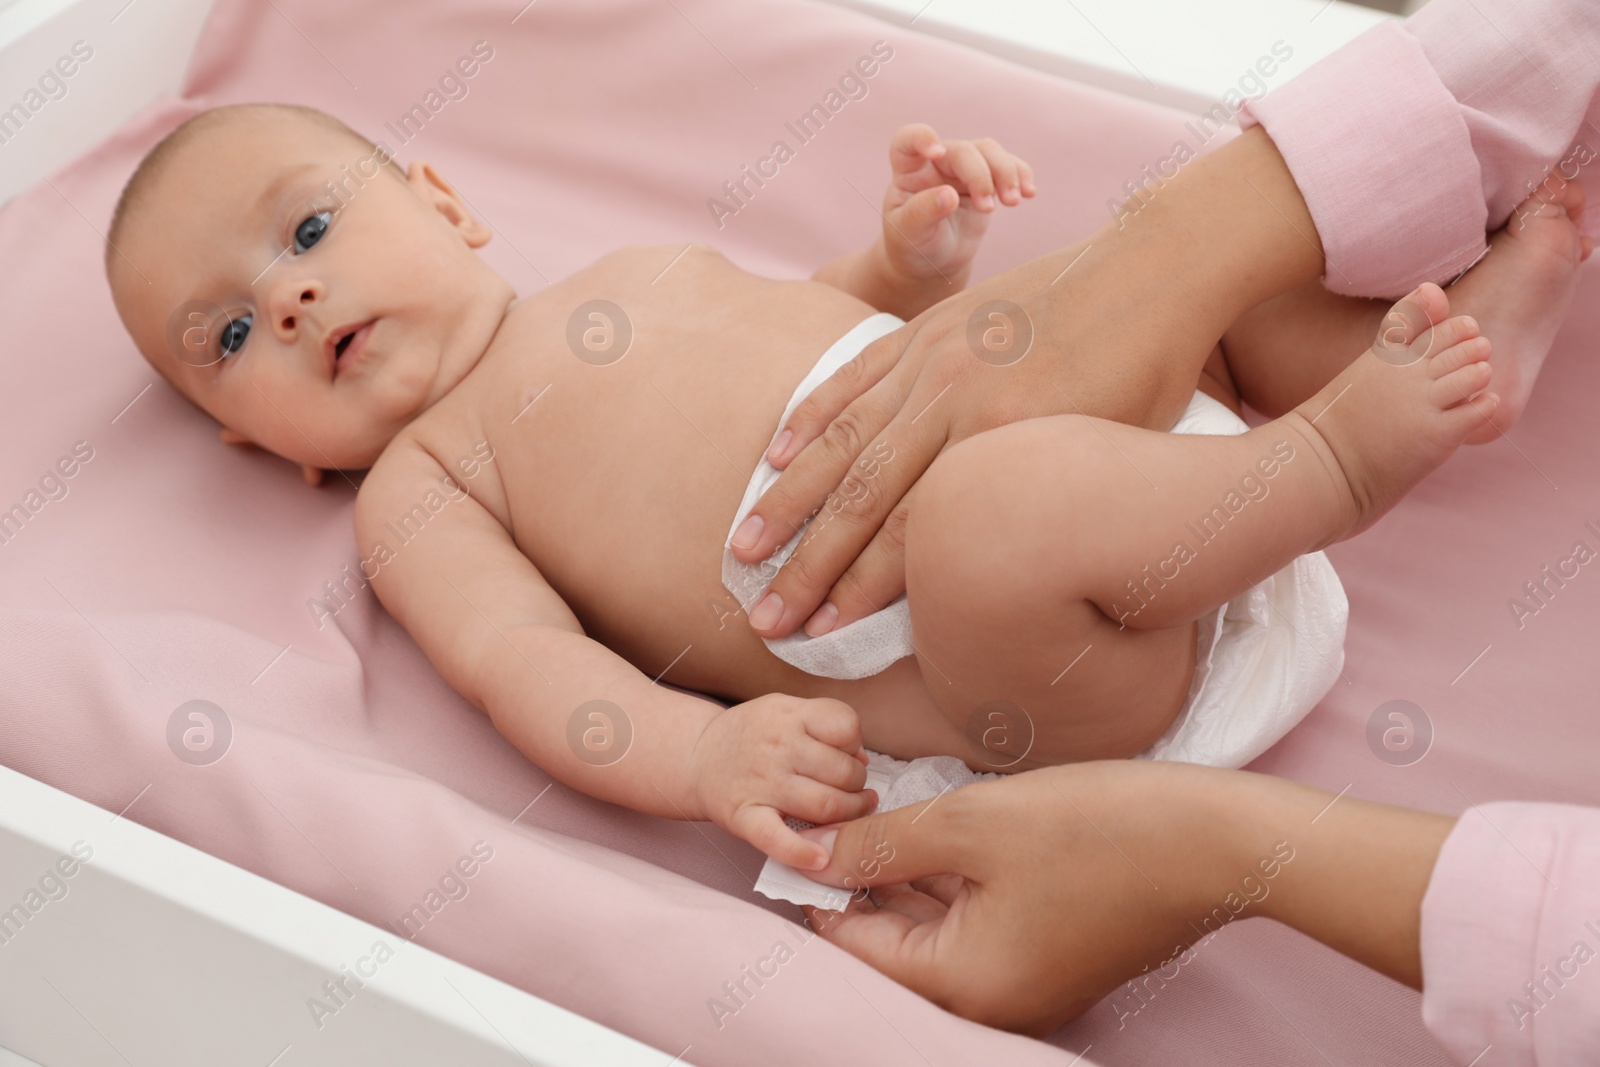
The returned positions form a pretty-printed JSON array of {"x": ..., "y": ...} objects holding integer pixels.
[
  {"x": 1125, "y": 319},
  {"x": 1358, "y": 873}
]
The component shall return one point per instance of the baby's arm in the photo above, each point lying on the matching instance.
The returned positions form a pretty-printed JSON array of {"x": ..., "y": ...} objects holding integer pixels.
[
  {"x": 934, "y": 216},
  {"x": 498, "y": 633}
]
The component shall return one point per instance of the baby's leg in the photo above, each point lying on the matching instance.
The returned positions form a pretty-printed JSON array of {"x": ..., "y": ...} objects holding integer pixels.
[
  {"x": 1285, "y": 349},
  {"x": 1280, "y": 352},
  {"x": 1045, "y": 540},
  {"x": 1059, "y": 565}
]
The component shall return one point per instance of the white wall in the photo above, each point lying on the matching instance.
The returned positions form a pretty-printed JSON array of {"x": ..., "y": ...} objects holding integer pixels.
[
  {"x": 1185, "y": 53},
  {"x": 139, "y": 51}
]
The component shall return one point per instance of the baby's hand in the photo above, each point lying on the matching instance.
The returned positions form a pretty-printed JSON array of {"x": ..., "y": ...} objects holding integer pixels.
[
  {"x": 940, "y": 199},
  {"x": 780, "y": 755}
]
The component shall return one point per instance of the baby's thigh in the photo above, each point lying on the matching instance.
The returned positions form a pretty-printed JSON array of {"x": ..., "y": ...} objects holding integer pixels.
[{"x": 1009, "y": 646}]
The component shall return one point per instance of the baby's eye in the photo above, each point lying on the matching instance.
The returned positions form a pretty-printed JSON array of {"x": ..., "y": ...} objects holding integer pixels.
[
  {"x": 234, "y": 333},
  {"x": 310, "y": 231}
]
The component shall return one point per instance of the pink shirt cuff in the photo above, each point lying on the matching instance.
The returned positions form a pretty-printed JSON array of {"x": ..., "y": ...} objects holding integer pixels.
[
  {"x": 1511, "y": 938},
  {"x": 1385, "y": 162}
]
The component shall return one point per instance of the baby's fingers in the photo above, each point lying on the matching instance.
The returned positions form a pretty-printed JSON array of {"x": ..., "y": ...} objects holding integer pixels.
[
  {"x": 829, "y": 765},
  {"x": 1025, "y": 176},
  {"x": 913, "y": 147},
  {"x": 833, "y": 722},
  {"x": 917, "y": 218},
  {"x": 1007, "y": 171},
  {"x": 968, "y": 166},
  {"x": 822, "y": 804},
  {"x": 764, "y": 828}
]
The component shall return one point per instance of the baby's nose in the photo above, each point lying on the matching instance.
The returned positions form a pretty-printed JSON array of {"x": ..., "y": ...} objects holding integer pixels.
[{"x": 292, "y": 303}]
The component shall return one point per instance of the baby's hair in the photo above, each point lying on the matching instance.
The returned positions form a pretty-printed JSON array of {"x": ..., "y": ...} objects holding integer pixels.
[{"x": 154, "y": 162}]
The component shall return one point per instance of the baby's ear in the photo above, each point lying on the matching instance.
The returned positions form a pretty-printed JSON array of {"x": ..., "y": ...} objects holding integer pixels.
[
  {"x": 231, "y": 437},
  {"x": 429, "y": 184}
]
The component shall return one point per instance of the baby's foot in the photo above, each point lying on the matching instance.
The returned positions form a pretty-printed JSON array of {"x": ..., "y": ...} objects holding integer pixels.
[
  {"x": 1401, "y": 408},
  {"x": 1519, "y": 293}
]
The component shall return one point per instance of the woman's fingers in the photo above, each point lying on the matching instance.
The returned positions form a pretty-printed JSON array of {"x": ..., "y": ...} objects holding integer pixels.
[
  {"x": 900, "y": 933},
  {"x": 897, "y": 939},
  {"x": 831, "y": 430},
  {"x": 906, "y": 844},
  {"x": 872, "y": 582},
  {"x": 944, "y": 888},
  {"x": 844, "y": 386},
  {"x": 852, "y": 516}
]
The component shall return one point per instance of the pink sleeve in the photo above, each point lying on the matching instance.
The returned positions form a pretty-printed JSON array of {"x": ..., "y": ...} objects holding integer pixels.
[
  {"x": 1418, "y": 136},
  {"x": 1511, "y": 938}
]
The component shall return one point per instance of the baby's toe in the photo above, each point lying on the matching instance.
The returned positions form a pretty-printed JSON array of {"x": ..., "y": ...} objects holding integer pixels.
[
  {"x": 1472, "y": 350},
  {"x": 1460, "y": 385},
  {"x": 1446, "y": 336},
  {"x": 1409, "y": 320}
]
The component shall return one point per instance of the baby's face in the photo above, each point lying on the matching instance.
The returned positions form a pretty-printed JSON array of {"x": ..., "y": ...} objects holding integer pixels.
[{"x": 314, "y": 321}]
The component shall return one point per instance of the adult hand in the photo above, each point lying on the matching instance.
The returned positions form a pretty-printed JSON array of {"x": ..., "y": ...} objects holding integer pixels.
[
  {"x": 1032, "y": 897},
  {"x": 860, "y": 441}
]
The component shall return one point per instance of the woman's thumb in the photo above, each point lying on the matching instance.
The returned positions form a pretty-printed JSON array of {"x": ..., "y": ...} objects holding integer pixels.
[{"x": 888, "y": 848}]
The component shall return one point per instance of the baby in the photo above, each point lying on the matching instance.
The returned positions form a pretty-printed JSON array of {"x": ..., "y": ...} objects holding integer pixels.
[{"x": 553, "y": 478}]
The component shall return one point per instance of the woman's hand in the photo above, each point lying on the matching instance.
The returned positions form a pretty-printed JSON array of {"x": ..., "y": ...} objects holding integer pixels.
[
  {"x": 1032, "y": 897},
  {"x": 969, "y": 364}
]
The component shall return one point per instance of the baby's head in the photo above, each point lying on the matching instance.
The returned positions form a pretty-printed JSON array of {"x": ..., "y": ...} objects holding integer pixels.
[{"x": 251, "y": 245}]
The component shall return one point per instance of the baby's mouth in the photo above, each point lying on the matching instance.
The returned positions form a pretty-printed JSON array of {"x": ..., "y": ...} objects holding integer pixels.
[{"x": 350, "y": 347}]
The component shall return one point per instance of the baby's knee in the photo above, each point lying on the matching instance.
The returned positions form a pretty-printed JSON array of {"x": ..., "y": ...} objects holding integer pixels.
[
  {"x": 950, "y": 508},
  {"x": 1015, "y": 469},
  {"x": 994, "y": 507}
]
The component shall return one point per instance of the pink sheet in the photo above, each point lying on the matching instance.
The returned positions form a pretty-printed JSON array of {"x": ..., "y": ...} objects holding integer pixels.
[{"x": 175, "y": 569}]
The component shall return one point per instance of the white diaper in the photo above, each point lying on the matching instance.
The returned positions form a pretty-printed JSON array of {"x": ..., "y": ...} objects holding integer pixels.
[
  {"x": 1263, "y": 659},
  {"x": 866, "y": 646}
]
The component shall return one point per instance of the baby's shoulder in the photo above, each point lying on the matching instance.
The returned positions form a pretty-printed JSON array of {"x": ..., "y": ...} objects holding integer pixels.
[
  {"x": 413, "y": 484},
  {"x": 418, "y": 467},
  {"x": 645, "y": 263},
  {"x": 624, "y": 279},
  {"x": 404, "y": 463}
]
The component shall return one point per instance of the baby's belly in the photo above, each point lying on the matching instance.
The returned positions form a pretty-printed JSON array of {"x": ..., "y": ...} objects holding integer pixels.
[{"x": 621, "y": 480}]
